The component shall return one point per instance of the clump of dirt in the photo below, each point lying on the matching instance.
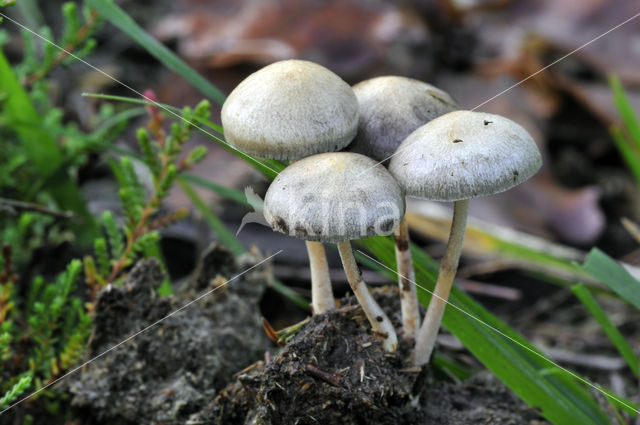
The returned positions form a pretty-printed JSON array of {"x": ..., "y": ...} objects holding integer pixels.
[
  {"x": 174, "y": 367},
  {"x": 334, "y": 371},
  {"x": 199, "y": 364}
]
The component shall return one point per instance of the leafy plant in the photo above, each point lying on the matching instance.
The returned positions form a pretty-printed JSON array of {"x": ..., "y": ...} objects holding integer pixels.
[{"x": 160, "y": 154}]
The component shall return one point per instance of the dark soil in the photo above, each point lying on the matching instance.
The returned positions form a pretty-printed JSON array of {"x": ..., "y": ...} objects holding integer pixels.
[
  {"x": 203, "y": 364},
  {"x": 172, "y": 369}
]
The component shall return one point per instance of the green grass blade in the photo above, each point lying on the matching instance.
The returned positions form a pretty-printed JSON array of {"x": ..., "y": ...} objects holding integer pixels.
[
  {"x": 621, "y": 403},
  {"x": 628, "y": 115},
  {"x": 611, "y": 273},
  {"x": 226, "y": 238},
  {"x": 629, "y": 153},
  {"x": 43, "y": 152},
  {"x": 558, "y": 396},
  {"x": 614, "y": 335},
  {"x": 226, "y": 192},
  {"x": 119, "y": 18}
]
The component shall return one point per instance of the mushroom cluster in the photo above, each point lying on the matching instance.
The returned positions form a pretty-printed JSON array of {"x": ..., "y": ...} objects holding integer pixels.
[{"x": 299, "y": 111}]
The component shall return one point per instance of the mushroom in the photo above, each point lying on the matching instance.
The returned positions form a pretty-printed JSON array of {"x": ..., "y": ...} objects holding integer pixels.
[
  {"x": 288, "y": 110},
  {"x": 324, "y": 198},
  {"x": 455, "y": 157},
  {"x": 392, "y": 107}
]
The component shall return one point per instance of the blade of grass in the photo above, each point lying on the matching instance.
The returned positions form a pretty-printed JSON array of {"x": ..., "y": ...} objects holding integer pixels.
[
  {"x": 558, "y": 397},
  {"x": 628, "y": 115},
  {"x": 226, "y": 192},
  {"x": 630, "y": 155},
  {"x": 43, "y": 152},
  {"x": 226, "y": 238},
  {"x": 614, "y": 335},
  {"x": 119, "y": 18},
  {"x": 611, "y": 273}
]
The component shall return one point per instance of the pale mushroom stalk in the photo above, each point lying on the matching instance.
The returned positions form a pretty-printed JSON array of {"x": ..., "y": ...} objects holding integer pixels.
[
  {"x": 426, "y": 337},
  {"x": 321, "y": 292},
  {"x": 379, "y": 321},
  {"x": 406, "y": 279}
]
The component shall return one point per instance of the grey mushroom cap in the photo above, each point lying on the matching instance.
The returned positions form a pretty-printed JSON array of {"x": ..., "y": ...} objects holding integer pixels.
[
  {"x": 334, "y": 197},
  {"x": 290, "y": 109},
  {"x": 392, "y": 107},
  {"x": 464, "y": 154}
]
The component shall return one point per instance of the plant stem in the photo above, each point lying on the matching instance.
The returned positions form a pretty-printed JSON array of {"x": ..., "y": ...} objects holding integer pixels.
[
  {"x": 426, "y": 337},
  {"x": 379, "y": 321},
  {"x": 406, "y": 277},
  {"x": 321, "y": 292}
]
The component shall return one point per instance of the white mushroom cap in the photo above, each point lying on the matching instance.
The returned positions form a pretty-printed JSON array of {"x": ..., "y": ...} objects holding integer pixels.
[
  {"x": 391, "y": 108},
  {"x": 334, "y": 197},
  {"x": 290, "y": 109},
  {"x": 465, "y": 154}
]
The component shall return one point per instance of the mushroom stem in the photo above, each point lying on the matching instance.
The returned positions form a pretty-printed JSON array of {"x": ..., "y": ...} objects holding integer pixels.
[
  {"x": 406, "y": 277},
  {"x": 379, "y": 321},
  {"x": 321, "y": 292},
  {"x": 426, "y": 337}
]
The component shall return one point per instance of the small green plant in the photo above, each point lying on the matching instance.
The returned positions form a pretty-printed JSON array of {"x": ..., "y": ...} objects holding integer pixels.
[
  {"x": 55, "y": 317},
  {"x": 161, "y": 155},
  {"x": 41, "y": 334}
]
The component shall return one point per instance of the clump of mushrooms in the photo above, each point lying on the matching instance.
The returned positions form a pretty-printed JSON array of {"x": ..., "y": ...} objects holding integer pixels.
[
  {"x": 455, "y": 157},
  {"x": 391, "y": 107},
  {"x": 289, "y": 110},
  {"x": 324, "y": 198}
]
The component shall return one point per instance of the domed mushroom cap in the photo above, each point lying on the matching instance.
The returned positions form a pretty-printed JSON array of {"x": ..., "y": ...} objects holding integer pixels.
[
  {"x": 465, "y": 154},
  {"x": 334, "y": 197},
  {"x": 391, "y": 108},
  {"x": 290, "y": 109}
]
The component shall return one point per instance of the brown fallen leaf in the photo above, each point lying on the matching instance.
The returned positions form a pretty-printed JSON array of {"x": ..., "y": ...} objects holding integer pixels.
[{"x": 348, "y": 36}]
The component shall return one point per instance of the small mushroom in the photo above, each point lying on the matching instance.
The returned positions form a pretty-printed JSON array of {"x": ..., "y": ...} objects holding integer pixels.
[
  {"x": 392, "y": 107},
  {"x": 455, "y": 157},
  {"x": 288, "y": 110},
  {"x": 324, "y": 198}
]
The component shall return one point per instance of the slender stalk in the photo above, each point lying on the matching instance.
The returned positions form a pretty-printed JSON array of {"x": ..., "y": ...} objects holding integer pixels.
[
  {"x": 321, "y": 292},
  {"x": 426, "y": 338},
  {"x": 379, "y": 321},
  {"x": 406, "y": 277}
]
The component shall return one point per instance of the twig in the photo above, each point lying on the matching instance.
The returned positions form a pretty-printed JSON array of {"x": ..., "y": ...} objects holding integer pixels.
[
  {"x": 592, "y": 361},
  {"x": 327, "y": 377},
  {"x": 632, "y": 228},
  {"x": 82, "y": 34},
  {"x": 12, "y": 207}
]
